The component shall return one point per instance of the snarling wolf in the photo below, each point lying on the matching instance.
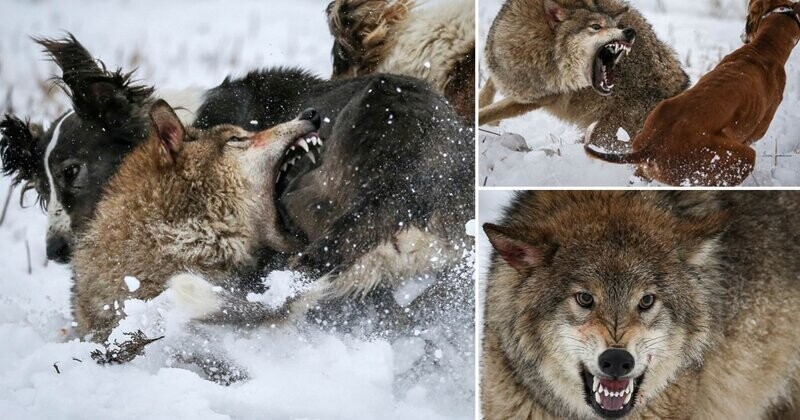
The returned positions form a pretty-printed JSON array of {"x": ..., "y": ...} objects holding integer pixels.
[
  {"x": 69, "y": 163},
  {"x": 185, "y": 200},
  {"x": 643, "y": 304},
  {"x": 584, "y": 61},
  {"x": 704, "y": 135},
  {"x": 435, "y": 43}
]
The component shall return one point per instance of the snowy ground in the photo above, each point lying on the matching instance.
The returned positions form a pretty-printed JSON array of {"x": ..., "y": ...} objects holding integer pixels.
[
  {"x": 702, "y": 32},
  {"x": 309, "y": 374}
]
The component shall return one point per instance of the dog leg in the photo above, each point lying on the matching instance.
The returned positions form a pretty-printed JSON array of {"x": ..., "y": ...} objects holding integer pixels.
[
  {"x": 506, "y": 108},
  {"x": 486, "y": 96}
]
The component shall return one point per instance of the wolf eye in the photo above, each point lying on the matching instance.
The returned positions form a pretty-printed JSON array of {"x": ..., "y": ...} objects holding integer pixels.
[
  {"x": 646, "y": 302},
  {"x": 584, "y": 299},
  {"x": 596, "y": 27},
  {"x": 71, "y": 173},
  {"x": 234, "y": 139}
]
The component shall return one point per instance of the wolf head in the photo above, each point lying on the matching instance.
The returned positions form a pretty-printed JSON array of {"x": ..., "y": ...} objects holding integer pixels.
[
  {"x": 603, "y": 297},
  {"x": 756, "y": 12},
  {"x": 69, "y": 164},
  {"x": 589, "y": 41}
]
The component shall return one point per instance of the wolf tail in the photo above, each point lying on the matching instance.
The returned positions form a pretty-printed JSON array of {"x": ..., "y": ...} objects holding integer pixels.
[{"x": 360, "y": 30}]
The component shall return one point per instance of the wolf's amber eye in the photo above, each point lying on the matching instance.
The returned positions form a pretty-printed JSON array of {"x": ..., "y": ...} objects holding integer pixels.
[
  {"x": 646, "y": 302},
  {"x": 596, "y": 27},
  {"x": 234, "y": 139},
  {"x": 584, "y": 299}
]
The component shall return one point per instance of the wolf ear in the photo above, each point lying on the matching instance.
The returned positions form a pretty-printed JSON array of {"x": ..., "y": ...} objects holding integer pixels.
[
  {"x": 519, "y": 254},
  {"x": 554, "y": 12},
  {"x": 107, "y": 98},
  {"x": 168, "y": 129},
  {"x": 19, "y": 151}
]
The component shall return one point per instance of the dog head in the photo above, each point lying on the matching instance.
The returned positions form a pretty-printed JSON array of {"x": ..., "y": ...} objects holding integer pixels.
[
  {"x": 589, "y": 41},
  {"x": 602, "y": 296},
  {"x": 226, "y": 169},
  {"x": 759, "y": 9},
  {"x": 69, "y": 164}
]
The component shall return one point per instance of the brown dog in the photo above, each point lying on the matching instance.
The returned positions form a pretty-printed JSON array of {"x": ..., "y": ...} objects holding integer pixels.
[{"x": 702, "y": 136}]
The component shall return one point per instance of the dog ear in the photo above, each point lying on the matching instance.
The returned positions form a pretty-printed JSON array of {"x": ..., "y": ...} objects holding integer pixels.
[
  {"x": 98, "y": 95},
  {"x": 554, "y": 12},
  {"x": 19, "y": 152},
  {"x": 168, "y": 129},
  {"x": 520, "y": 254}
]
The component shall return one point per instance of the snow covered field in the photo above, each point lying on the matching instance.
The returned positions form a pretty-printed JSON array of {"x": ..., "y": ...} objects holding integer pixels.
[
  {"x": 300, "y": 372},
  {"x": 702, "y": 32}
]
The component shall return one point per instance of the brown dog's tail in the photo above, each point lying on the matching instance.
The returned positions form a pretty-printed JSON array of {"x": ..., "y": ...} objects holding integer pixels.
[
  {"x": 361, "y": 30},
  {"x": 634, "y": 157}
]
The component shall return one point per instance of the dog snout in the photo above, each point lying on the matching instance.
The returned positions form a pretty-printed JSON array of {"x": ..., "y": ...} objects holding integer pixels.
[
  {"x": 616, "y": 362},
  {"x": 629, "y": 34},
  {"x": 59, "y": 249},
  {"x": 312, "y": 115}
]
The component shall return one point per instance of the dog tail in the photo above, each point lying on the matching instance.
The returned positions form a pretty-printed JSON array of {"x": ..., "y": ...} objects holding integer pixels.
[
  {"x": 360, "y": 30},
  {"x": 634, "y": 157}
]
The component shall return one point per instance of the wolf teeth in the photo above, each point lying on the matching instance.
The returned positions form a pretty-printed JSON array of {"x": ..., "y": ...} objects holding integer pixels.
[
  {"x": 312, "y": 158},
  {"x": 595, "y": 384},
  {"x": 628, "y": 398},
  {"x": 302, "y": 143}
]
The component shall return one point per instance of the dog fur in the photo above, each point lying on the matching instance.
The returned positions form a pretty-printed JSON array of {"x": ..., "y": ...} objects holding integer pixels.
[
  {"x": 718, "y": 340},
  {"x": 537, "y": 53},
  {"x": 435, "y": 43},
  {"x": 703, "y": 136},
  {"x": 69, "y": 163}
]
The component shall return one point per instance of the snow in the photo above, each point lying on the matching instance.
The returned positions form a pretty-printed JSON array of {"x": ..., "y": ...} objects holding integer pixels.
[
  {"x": 537, "y": 149},
  {"x": 294, "y": 372}
]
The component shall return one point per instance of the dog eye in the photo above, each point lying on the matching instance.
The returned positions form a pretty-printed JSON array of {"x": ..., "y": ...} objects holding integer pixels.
[
  {"x": 646, "y": 302},
  {"x": 584, "y": 299},
  {"x": 71, "y": 173},
  {"x": 596, "y": 27}
]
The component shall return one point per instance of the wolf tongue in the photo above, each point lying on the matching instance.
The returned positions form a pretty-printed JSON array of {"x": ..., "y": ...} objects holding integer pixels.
[{"x": 613, "y": 403}]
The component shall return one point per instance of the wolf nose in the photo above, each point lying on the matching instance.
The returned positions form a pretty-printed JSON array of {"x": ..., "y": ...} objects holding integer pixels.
[
  {"x": 630, "y": 34},
  {"x": 58, "y": 249},
  {"x": 616, "y": 362},
  {"x": 312, "y": 115}
]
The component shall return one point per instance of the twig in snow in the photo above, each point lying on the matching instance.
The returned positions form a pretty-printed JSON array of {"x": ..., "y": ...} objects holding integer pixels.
[
  {"x": 28, "y": 253},
  {"x": 5, "y": 205},
  {"x": 119, "y": 353},
  {"x": 55, "y": 365}
]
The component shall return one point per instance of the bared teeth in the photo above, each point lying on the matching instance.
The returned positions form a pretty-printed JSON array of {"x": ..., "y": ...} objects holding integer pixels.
[
  {"x": 302, "y": 143},
  {"x": 311, "y": 157}
]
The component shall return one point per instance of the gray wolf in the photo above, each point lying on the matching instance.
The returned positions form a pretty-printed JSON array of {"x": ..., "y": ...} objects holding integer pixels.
[
  {"x": 703, "y": 136},
  {"x": 584, "y": 61},
  {"x": 605, "y": 304},
  {"x": 185, "y": 200},
  {"x": 435, "y": 43}
]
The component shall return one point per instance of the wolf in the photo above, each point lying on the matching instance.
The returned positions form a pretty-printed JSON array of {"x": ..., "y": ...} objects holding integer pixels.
[
  {"x": 584, "y": 61},
  {"x": 435, "y": 43},
  {"x": 643, "y": 304},
  {"x": 69, "y": 163}
]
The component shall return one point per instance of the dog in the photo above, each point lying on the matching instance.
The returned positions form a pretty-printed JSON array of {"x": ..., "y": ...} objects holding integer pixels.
[
  {"x": 581, "y": 60},
  {"x": 703, "y": 136},
  {"x": 679, "y": 304},
  {"x": 434, "y": 43},
  {"x": 69, "y": 164}
]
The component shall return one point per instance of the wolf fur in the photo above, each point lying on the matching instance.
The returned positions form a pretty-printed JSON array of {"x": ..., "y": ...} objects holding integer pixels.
[
  {"x": 720, "y": 341},
  {"x": 174, "y": 206},
  {"x": 435, "y": 43},
  {"x": 537, "y": 53}
]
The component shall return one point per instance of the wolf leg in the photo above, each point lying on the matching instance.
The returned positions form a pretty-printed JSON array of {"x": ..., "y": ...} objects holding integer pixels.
[
  {"x": 488, "y": 91},
  {"x": 505, "y": 108}
]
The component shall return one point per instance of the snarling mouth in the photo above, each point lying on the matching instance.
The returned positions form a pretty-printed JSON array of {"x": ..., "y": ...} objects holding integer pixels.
[
  {"x": 611, "y": 398},
  {"x": 301, "y": 156},
  {"x": 604, "y": 62}
]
